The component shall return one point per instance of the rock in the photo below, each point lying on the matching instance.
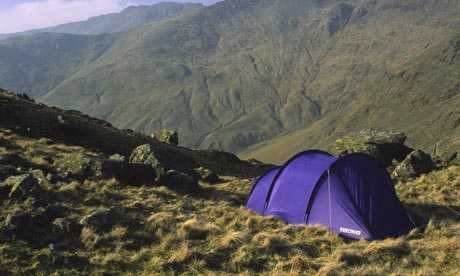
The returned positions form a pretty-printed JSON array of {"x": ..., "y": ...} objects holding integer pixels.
[
  {"x": 64, "y": 227},
  {"x": 80, "y": 165},
  {"x": 39, "y": 174},
  {"x": 24, "y": 96},
  {"x": 443, "y": 154},
  {"x": 101, "y": 221},
  {"x": 178, "y": 181},
  {"x": 48, "y": 160},
  {"x": 208, "y": 175},
  {"x": 62, "y": 252},
  {"x": 382, "y": 145},
  {"x": 54, "y": 211},
  {"x": 18, "y": 222},
  {"x": 128, "y": 173},
  {"x": 4, "y": 143},
  {"x": 167, "y": 136},
  {"x": 15, "y": 161},
  {"x": 63, "y": 121},
  {"x": 415, "y": 164},
  {"x": 7, "y": 171},
  {"x": 118, "y": 157},
  {"x": 144, "y": 155},
  {"x": 53, "y": 178},
  {"x": 23, "y": 186}
]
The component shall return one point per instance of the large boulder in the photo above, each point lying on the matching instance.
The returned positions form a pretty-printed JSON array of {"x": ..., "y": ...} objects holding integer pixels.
[
  {"x": 23, "y": 186},
  {"x": 383, "y": 145},
  {"x": 167, "y": 136},
  {"x": 415, "y": 164},
  {"x": 80, "y": 165},
  {"x": 443, "y": 154},
  {"x": 144, "y": 154},
  {"x": 14, "y": 160},
  {"x": 104, "y": 220},
  {"x": 128, "y": 173}
]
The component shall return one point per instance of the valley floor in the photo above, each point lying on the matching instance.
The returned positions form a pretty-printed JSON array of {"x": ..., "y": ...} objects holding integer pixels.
[{"x": 209, "y": 232}]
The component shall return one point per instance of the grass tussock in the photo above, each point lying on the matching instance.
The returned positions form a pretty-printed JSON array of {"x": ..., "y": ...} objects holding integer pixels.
[{"x": 211, "y": 233}]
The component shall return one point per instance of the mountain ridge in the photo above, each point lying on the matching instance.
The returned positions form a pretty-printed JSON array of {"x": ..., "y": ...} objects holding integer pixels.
[
  {"x": 128, "y": 18},
  {"x": 215, "y": 74}
]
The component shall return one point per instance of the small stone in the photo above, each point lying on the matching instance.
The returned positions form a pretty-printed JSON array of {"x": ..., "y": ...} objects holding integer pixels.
[
  {"x": 118, "y": 157},
  {"x": 101, "y": 221},
  {"x": 53, "y": 178},
  {"x": 4, "y": 143}
]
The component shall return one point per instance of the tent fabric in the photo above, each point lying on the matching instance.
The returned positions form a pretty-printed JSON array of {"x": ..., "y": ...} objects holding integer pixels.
[{"x": 353, "y": 195}]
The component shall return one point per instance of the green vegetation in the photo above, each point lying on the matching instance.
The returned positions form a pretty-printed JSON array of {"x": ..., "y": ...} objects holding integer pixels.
[
  {"x": 244, "y": 72},
  {"x": 210, "y": 233}
]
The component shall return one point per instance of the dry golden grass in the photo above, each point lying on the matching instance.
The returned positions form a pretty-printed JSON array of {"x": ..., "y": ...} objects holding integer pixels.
[{"x": 211, "y": 233}]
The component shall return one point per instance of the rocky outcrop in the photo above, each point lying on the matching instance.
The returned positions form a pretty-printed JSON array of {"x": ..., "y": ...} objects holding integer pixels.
[
  {"x": 415, "y": 164},
  {"x": 167, "y": 136},
  {"x": 101, "y": 221},
  {"x": 383, "y": 145}
]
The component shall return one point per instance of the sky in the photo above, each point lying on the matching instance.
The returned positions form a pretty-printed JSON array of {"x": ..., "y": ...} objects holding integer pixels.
[{"x": 21, "y": 15}]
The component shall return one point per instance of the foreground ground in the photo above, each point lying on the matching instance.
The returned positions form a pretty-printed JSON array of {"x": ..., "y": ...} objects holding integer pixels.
[{"x": 209, "y": 232}]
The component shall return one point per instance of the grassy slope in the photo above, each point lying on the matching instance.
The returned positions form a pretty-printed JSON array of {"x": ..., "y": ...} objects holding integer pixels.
[
  {"x": 426, "y": 118},
  {"x": 243, "y": 72},
  {"x": 210, "y": 232}
]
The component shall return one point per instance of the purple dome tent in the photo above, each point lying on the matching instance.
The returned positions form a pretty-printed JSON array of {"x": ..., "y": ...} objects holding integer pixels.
[{"x": 353, "y": 195}]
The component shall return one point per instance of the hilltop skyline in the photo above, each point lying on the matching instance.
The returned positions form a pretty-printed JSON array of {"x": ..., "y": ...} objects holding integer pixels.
[{"x": 23, "y": 15}]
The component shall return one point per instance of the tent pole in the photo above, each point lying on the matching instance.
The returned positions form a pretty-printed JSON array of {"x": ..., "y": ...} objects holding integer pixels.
[{"x": 330, "y": 205}]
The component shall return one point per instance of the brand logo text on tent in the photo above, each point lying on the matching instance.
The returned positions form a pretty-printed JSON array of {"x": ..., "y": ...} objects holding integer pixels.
[{"x": 350, "y": 231}]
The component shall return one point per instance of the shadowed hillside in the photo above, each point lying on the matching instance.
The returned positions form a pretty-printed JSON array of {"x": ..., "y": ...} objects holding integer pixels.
[{"x": 244, "y": 72}]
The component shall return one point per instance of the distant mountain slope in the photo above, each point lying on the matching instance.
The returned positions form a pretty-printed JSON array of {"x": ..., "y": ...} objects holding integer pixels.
[
  {"x": 423, "y": 99},
  {"x": 129, "y": 18},
  {"x": 243, "y": 72}
]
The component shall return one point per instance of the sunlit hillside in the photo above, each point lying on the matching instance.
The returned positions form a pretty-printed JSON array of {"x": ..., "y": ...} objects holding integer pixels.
[{"x": 209, "y": 232}]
